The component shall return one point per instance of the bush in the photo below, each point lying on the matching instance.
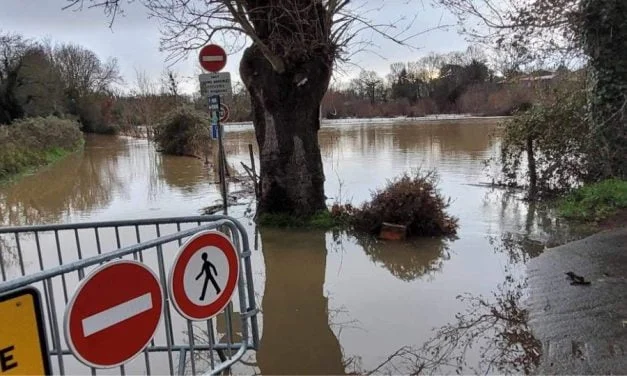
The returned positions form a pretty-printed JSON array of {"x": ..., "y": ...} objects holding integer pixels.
[
  {"x": 184, "y": 131},
  {"x": 95, "y": 114},
  {"x": 547, "y": 147},
  {"x": 409, "y": 200},
  {"x": 33, "y": 142},
  {"x": 595, "y": 201}
]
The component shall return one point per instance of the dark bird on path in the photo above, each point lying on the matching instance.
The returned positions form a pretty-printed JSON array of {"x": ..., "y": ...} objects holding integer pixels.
[{"x": 576, "y": 279}]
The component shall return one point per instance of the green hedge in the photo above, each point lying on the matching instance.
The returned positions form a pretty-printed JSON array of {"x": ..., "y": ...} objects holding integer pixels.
[{"x": 33, "y": 142}]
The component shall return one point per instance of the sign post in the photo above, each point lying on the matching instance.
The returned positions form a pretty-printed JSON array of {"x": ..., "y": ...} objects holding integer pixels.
[
  {"x": 114, "y": 314},
  {"x": 23, "y": 345},
  {"x": 204, "y": 276},
  {"x": 212, "y": 58},
  {"x": 214, "y": 107}
]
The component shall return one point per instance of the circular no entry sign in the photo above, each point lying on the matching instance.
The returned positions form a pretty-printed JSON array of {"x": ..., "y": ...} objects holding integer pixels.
[
  {"x": 212, "y": 58},
  {"x": 224, "y": 112},
  {"x": 204, "y": 275},
  {"x": 114, "y": 314}
]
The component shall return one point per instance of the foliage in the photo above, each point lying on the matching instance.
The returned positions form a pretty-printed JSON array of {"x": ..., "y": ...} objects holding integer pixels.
[
  {"x": 184, "y": 131},
  {"x": 33, "y": 142},
  {"x": 457, "y": 82},
  {"x": 603, "y": 34},
  {"x": 592, "y": 29},
  {"x": 409, "y": 200},
  {"x": 595, "y": 201},
  {"x": 530, "y": 28},
  {"x": 37, "y": 79},
  {"x": 95, "y": 114},
  {"x": 553, "y": 136}
]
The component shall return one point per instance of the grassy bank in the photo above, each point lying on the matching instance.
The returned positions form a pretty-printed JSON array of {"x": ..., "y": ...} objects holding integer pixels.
[
  {"x": 596, "y": 201},
  {"x": 34, "y": 142}
]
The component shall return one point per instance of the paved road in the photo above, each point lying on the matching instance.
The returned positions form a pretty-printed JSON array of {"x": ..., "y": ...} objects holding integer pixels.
[{"x": 583, "y": 329}]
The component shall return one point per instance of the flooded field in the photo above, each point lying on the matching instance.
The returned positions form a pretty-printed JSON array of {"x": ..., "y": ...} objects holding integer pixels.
[{"x": 333, "y": 302}]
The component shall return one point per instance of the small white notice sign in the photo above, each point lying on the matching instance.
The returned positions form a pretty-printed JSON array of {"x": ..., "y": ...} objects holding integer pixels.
[{"x": 216, "y": 84}]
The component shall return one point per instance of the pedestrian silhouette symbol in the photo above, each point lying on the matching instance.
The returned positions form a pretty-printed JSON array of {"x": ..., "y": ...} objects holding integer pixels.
[{"x": 207, "y": 267}]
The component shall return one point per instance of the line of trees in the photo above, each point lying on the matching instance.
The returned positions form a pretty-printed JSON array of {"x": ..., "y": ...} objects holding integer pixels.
[
  {"x": 457, "y": 82},
  {"x": 39, "y": 79}
]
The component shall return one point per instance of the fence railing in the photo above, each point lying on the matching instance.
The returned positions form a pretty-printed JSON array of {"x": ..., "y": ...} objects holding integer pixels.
[{"x": 55, "y": 258}]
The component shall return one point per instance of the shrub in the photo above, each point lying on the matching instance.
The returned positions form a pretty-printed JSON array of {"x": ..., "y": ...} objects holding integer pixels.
[
  {"x": 409, "y": 200},
  {"x": 184, "y": 131},
  {"x": 95, "y": 114},
  {"x": 33, "y": 142},
  {"x": 553, "y": 139},
  {"x": 595, "y": 201}
]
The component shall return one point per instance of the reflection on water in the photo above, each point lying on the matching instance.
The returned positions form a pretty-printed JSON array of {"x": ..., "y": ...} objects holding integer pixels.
[
  {"x": 81, "y": 182},
  {"x": 407, "y": 261},
  {"x": 297, "y": 338},
  {"x": 497, "y": 324},
  {"x": 336, "y": 302}
]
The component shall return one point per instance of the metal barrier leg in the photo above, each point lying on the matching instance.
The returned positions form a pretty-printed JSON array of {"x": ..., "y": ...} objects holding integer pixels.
[
  {"x": 182, "y": 356},
  {"x": 166, "y": 308},
  {"x": 55, "y": 326}
]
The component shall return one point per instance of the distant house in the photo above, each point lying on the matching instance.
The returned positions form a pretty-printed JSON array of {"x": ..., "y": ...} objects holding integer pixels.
[{"x": 533, "y": 80}]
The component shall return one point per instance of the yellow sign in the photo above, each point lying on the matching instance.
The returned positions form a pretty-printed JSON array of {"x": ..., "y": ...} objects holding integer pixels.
[{"x": 23, "y": 345}]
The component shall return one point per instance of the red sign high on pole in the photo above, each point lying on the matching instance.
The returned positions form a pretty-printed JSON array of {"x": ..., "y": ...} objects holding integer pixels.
[
  {"x": 212, "y": 58},
  {"x": 114, "y": 314}
]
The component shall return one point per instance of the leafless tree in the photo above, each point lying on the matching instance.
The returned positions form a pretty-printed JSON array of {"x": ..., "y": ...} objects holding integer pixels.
[
  {"x": 541, "y": 26},
  {"x": 286, "y": 69},
  {"x": 83, "y": 72}
]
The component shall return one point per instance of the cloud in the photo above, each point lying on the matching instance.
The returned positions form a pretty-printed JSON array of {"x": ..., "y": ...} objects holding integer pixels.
[{"x": 134, "y": 38}]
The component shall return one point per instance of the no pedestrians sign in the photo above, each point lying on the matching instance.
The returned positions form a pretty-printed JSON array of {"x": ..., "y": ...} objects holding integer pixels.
[{"x": 204, "y": 276}]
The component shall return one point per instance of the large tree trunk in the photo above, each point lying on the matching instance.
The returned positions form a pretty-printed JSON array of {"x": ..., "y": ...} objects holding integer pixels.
[{"x": 286, "y": 116}]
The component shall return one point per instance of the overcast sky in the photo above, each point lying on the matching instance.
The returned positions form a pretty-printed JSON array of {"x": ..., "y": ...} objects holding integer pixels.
[{"x": 134, "y": 38}]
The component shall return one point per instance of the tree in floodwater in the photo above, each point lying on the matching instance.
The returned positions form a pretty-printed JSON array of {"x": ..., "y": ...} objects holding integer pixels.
[
  {"x": 593, "y": 31},
  {"x": 287, "y": 69}
]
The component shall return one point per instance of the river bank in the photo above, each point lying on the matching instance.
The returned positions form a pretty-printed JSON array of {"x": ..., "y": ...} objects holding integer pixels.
[
  {"x": 582, "y": 328},
  {"x": 30, "y": 144}
]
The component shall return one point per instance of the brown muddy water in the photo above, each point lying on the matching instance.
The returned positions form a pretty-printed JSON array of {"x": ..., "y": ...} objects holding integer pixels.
[{"x": 333, "y": 302}]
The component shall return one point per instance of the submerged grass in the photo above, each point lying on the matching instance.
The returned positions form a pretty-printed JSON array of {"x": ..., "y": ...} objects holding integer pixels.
[
  {"x": 323, "y": 220},
  {"x": 595, "y": 202}
]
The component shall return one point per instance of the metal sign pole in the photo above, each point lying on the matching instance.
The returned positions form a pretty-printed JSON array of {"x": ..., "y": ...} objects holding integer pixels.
[{"x": 214, "y": 102}]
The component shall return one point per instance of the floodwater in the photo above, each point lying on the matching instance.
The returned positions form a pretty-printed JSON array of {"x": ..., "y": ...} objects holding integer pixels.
[{"x": 333, "y": 302}]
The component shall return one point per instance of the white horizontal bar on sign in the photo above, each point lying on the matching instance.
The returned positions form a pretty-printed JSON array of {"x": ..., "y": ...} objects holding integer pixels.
[
  {"x": 116, "y": 314},
  {"x": 212, "y": 58}
]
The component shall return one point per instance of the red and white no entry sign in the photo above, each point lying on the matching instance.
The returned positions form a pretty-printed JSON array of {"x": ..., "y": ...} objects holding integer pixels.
[
  {"x": 212, "y": 58},
  {"x": 114, "y": 314},
  {"x": 224, "y": 112},
  {"x": 204, "y": 275}
]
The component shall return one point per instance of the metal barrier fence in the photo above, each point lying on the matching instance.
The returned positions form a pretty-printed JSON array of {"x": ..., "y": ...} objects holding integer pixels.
[{"x": 54, "y": 258}]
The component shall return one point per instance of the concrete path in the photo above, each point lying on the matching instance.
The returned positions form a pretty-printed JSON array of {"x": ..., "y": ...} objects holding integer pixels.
[{"x": 583, "y": 329}]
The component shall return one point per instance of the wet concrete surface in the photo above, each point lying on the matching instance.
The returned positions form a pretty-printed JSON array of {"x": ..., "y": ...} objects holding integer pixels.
[{"x": 583, "y": 328}]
